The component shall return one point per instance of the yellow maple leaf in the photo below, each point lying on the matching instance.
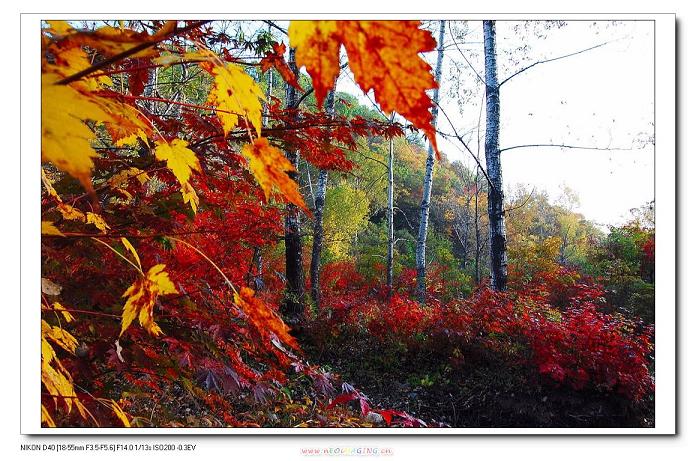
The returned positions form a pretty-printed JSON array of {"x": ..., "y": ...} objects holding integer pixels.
[
  {"x": 70, "y": 212},
  {"x": 98, "y": 221},
  {"x": 60, "y": 27},
  {"x": 47, "y": 228},
  {"x": 65, "y": 139},
  {"x": 270, "y": 168},
  {"x": 71, "y": 60},
  {"x": 180, "y": 159},
  {"x": 190, "y": 196},
  {"x": 142, "y": 295},
  {"x": 130, "y": 248},
  {"x": 55, "y": 378},
  {"x": 236, "y": 95},
  {"x": 59, "y": 336},
  {"x": 58, "y": 307},
  {"x": 46, "y": 417},
  {"x": 128, "y": 173}
]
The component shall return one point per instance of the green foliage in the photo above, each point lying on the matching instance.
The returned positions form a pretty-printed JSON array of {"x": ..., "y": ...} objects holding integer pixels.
[{"x": 625, "y": 264}]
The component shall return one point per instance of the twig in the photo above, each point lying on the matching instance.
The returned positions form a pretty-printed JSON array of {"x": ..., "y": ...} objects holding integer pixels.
[{"x": 128, "y": 52}]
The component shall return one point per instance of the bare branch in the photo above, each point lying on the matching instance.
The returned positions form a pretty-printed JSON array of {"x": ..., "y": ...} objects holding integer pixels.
[
  {"x": 563, "y": 146},
  {"x": 449, "y": 25},
  {"x": 128, "y": 52},
  {"x": 475, "y": 157},
  {"x": 276, "y": 26},
  {"x": 544, "y": 61}
]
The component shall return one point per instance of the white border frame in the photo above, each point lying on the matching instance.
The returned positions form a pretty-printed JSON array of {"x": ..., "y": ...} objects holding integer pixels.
[{"x": 665, "y": 167}]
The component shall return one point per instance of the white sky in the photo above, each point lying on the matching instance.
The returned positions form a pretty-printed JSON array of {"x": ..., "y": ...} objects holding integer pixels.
[{"x": 600, "y": 98}]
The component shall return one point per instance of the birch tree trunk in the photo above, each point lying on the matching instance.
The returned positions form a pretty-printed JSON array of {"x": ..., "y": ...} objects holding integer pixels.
[
  {"x": 258, "y": 257},
  {"x": 477, "y": 230},
  {"x": 428, "y": 180},
  {"x": 496, "y": 214},
  {"x": 319, "y": 201},
  {"x": 293, "y": 304},
  {"x": 390, "y": 216}
]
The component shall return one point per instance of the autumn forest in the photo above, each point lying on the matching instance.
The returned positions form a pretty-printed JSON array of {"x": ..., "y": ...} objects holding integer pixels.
[{"x": 293, "y": 224}]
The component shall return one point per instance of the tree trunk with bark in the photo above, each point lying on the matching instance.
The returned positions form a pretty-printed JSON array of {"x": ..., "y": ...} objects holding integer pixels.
[
  {"x": 390, "y": 216},
  {"x": 319, "y": 201},
  {"x": 428, "y": 180},
  {"x": 293, "y": 304},
  {"x": 496, "y": 213},
  {"x": 477, "y": 230}
]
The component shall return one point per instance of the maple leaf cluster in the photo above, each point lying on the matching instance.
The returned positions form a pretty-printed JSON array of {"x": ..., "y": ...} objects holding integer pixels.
[{"x": 154, "y": 204}]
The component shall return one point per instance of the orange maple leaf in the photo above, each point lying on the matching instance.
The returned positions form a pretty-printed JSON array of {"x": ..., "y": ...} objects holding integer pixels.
[
  {"x": 384, "y": 57},
  {"x": 270, "y": 167},
  {"x": 263, "y": 318},
  {"x": 275, "y": 59}
]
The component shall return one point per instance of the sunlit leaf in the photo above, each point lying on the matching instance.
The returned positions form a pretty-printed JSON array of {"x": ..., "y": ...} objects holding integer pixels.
[
  {"x": 66, "y": 140},
  {"x": 270, "y": 168},
  {"x": 236, "y": 95},
  {"x": 47, "y": 228},
  {"x": 383, "y": 56},
  {"x": 142, "y": 295},
  {"x": 180, "y": 159},
  {"x": 130, "y": 248},
  {"x": 98, "y": 221},
  {"x": 263, "y": 317}
]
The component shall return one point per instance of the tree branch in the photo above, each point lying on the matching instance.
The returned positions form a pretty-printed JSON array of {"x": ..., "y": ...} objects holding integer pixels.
[
  {"x": 128, "y": 52},
  {"x": 544, "y": 61},
  {"x": 563, "y": 146},
  {"x": 449, "y": 25},
  {"x": 461, "y": 140},
  {"x": 276, "y": 26}
]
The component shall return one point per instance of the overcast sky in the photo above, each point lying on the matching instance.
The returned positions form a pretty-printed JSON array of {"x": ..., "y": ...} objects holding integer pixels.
[{"x": 600, "y": 98}]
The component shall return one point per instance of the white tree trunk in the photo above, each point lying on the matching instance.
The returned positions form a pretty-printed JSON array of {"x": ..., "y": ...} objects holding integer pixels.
[
  {"x": 428, "y": 180},
  {"x": 390, "y": 216}
]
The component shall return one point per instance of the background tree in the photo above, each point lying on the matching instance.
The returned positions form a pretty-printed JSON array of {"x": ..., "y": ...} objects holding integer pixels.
[{"x": 427, "y": 178}]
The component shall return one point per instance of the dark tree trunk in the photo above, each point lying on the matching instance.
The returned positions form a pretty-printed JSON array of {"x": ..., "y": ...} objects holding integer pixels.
[
  {"x": 496, "y": 214},
  {"x": 319, "y": 201},
  {"x": 428, "y": 181},
  {"x": 293, "y": 304}
]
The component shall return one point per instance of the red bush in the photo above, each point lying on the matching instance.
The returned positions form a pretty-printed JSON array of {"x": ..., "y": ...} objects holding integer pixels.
[{"x": 557, "y": 319}]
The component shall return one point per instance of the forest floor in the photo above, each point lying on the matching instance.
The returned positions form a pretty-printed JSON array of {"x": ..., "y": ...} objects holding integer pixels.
[{"x": 485, "y": 391}]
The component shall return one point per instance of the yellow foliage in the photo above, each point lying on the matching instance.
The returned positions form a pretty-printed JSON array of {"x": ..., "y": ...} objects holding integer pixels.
[
  {"x": 71, "y": 213},
  {"x": 98, "y": 221},
  {"x": 142, "y": 295},
  {"x": 180, "y": 159},
  {"x": 47, "y": 228},
  {"x": 130, "y": 248},
  {"x": 58, "y": 307},
  {"x": 236, "y": 94},
  {"x": 66, "y": 140}
]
